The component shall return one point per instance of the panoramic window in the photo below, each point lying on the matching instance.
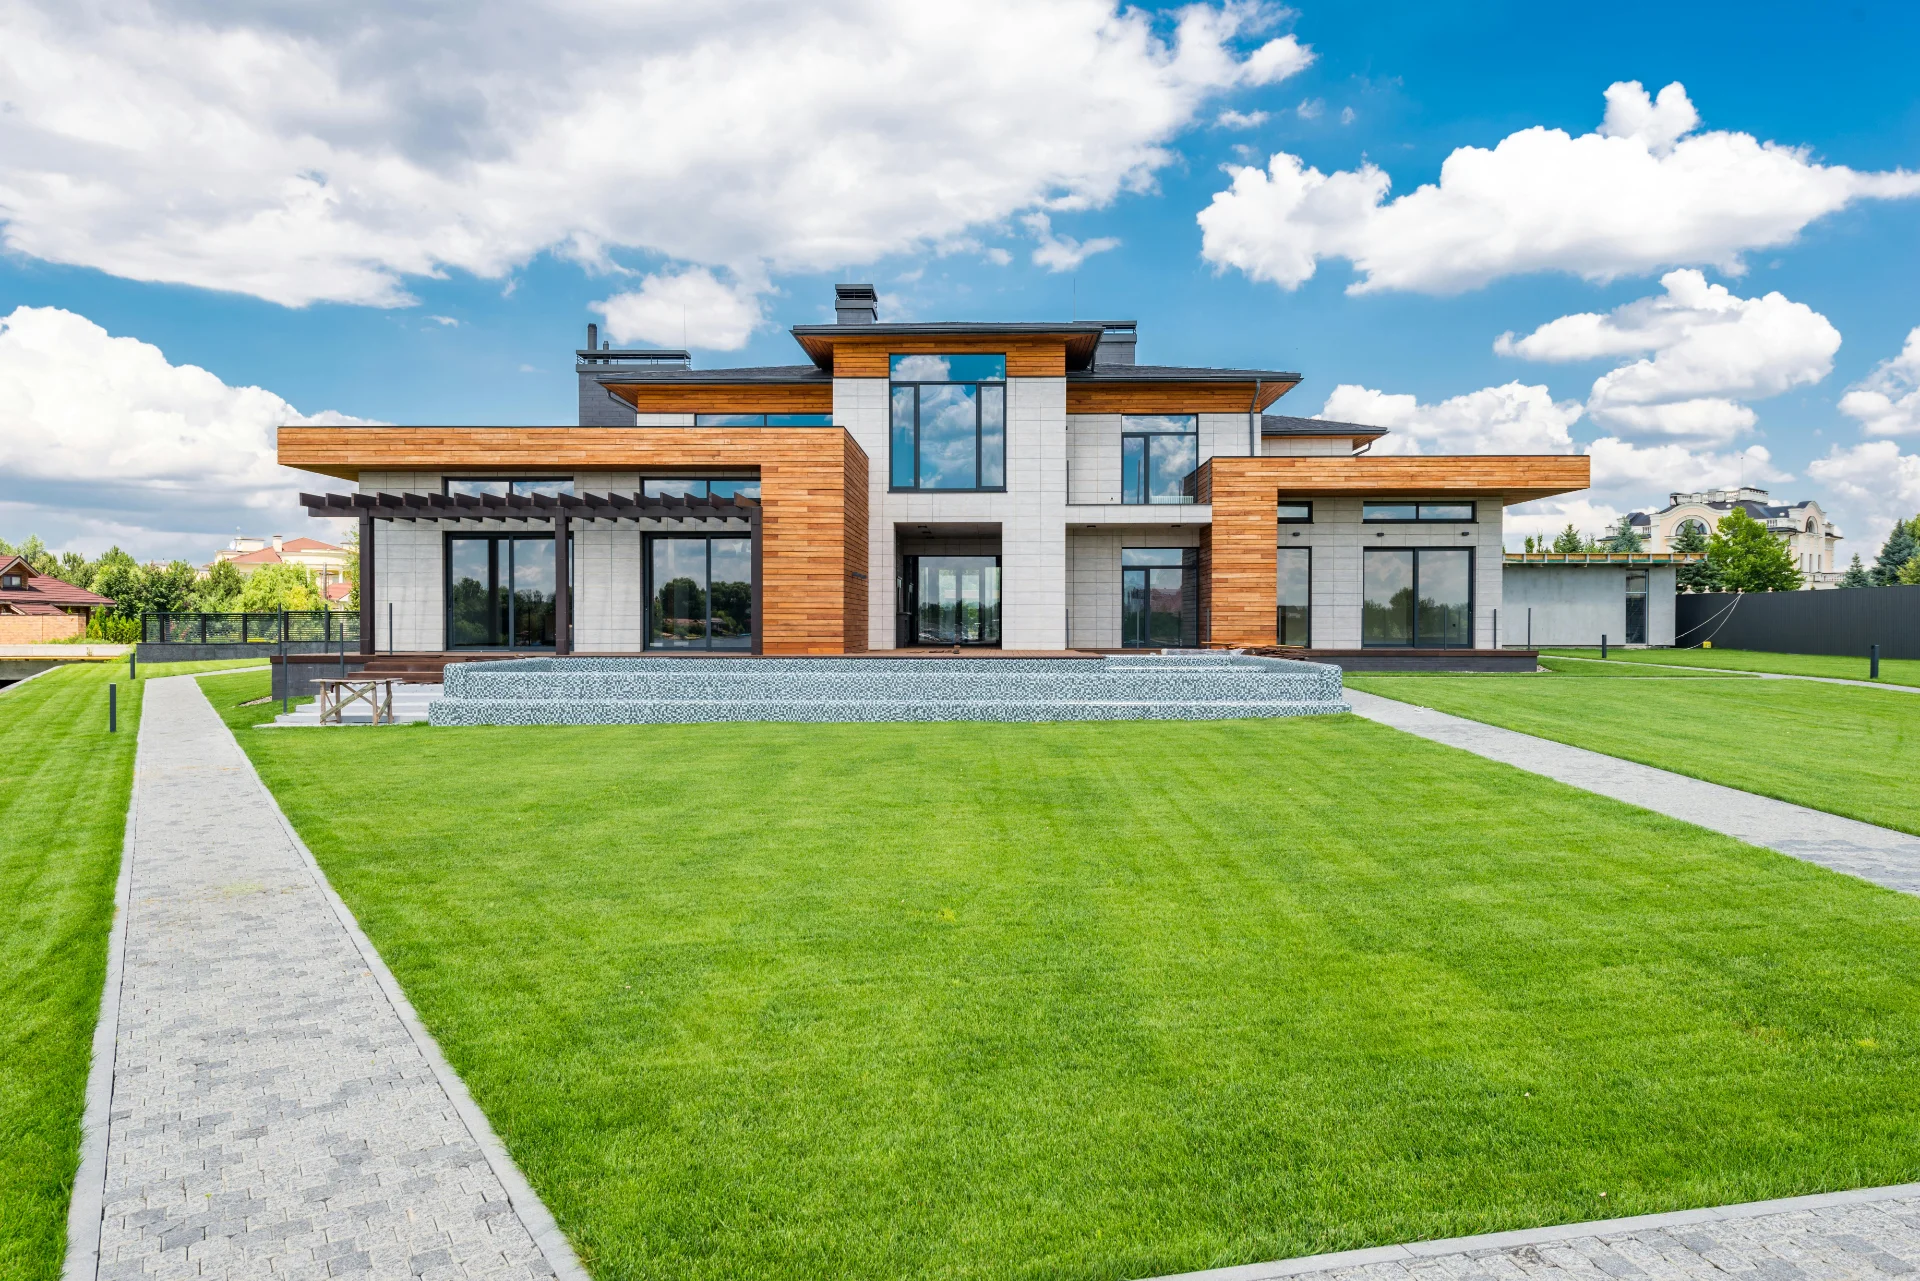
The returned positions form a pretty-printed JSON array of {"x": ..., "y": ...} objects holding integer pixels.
[
  {"x": 699, "y": 592},
  {"x": 1293, "y": 625},
  {"x": 949, "y": 422},
  {"x": 500, "y": 591},
  {"x": 698, "y": 487},
  {"x": 763, "y": 420},
  {"x": 1401, "y": 512},
  {"x": 952, "y": 600},
  {"x": 1296, "y": 513},
  {"x": 496, "y": 487},
  {"x": 1159, "y": 458},
  {"x": 1422, "y": 597}
]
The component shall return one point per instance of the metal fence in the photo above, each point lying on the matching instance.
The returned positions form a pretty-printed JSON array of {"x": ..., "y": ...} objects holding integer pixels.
[
  {"x": 1843, "y": 621},
  {"x": 267, "y": 629}
]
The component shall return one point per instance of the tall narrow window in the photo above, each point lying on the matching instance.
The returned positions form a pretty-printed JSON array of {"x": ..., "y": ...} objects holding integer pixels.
[
  {"x": 1636, "y": 607},
  {"x": 1294, "y": 624},
  {"x": 949, "y": 422},
  {"x": 1421, "y": 597},
  {"x": 1159, "y": 458}
]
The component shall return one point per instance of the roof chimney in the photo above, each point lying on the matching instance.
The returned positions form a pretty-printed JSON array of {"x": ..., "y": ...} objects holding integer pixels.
[
  {"x": 1116, "y": 344},
  {"x": 593, "y": 336},
  {"x": 276, "y": 542},
  {"x": 855, "y": 304}
]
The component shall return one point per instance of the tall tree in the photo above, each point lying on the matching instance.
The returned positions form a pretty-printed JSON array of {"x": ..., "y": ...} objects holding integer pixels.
[
  {"x": 1625, "y": 538},
  {"x": 1856, "y": 575},
  {"x": 1568, "y": 540},
  {"x": 219, "y": 592},
  {"x": 122, "y": 580},
  {"x": 1899, "y": 548},
  {"x": 1748, "y": 558},
  {"x": 1699, "y": 575}
]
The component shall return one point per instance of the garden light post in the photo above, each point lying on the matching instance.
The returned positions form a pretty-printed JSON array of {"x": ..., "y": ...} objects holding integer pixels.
[
  {"x": 1603, "y": 644},
  {"x": 1873, "y": 662},
  {"x": 113, "y": 709},
  {"x": 133, "y": 671}
]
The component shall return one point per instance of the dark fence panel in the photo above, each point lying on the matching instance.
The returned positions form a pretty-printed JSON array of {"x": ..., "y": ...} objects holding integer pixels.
[
  {"x": 326, "y": 626},
  {"x": 1843, "y": 621}
]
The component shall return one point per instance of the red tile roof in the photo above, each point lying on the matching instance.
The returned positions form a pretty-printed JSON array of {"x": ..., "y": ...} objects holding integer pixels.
[
  {"x": 265, "y": 556},
  {"x": 29, "y": 606},
  {"x": 44, "y": 588},
  {"x": 308, "y": 545},
  {"x": 339, "y": 591}
]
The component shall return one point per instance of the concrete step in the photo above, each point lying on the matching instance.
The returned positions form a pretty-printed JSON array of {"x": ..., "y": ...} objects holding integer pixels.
[{"x": 452, "y": 712}]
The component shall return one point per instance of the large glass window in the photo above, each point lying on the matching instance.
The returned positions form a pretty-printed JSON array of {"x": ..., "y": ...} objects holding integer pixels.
[
  {"x": 955, "y": 600},
  {"x": 1294, "y": 624},
  {"x": 1159, "y": 458},
  {"x": 949, "y": 422},
  {"x": 1159, "y": 597},
  {"x": 1421, "y": 597},
  {"x": 699, "y": 592},
  {"x": 763, "y": 420},
  {"x": 500, "y": 486},
  {"x": 500, "y": 591},
  {"x": 697, "y": 487}
]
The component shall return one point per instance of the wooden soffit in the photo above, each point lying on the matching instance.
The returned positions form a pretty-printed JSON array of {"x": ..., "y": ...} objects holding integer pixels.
[
  {"x": 345, "y": 452},
  {"x": 726, "y": 398},
  {"x": 859, "y": 355},
  {"x": 1209, "y": 397},
  {"x": 1516, "y": 478}
]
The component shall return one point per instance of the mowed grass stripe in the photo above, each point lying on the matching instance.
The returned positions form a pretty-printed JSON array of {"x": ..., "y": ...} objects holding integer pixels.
[{"x": 1099, "y": 1000}]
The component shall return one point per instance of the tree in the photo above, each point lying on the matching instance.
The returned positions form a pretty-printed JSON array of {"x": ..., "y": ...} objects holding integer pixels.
[
  {"x": 1856, "y": 575},
  {"x": 120, "y": 579},
  {"x": 168, "y": 589},
  {"x": 1909, "y": 575},
  {"x": 1699, "y": 575},
  {"x": 1568, "y": 540},
  {"x": 76, "y": 569},
  {"x": 1625, "y": 538},
  {"x": 219, "y": 592},
  {"x": 275, "y": 587},
  {"x": 352, "y": 571},
  {"x": 1902, "y": 542},
  {"x": 1749, "y": 559}
]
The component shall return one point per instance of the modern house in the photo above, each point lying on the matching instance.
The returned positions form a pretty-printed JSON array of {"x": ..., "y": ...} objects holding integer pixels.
[
  {"x": 1810, "y": 538},
  {"x": 1024, "y": 485},
  {"x": 37, "y": 608},
  {"x": 326, "y": 562}
]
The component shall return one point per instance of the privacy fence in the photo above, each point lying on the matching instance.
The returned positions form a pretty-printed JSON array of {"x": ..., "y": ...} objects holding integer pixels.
[
  {"x": 327, "y": 627},
  {"x": 1844, "y": 621}
]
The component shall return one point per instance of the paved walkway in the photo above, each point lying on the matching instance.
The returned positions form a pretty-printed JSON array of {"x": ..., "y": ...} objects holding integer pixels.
[
  {"x": 276, "y": 1110},
  {"x": 1741, "y": 671},
  {"x": 1876, "y": 854}
]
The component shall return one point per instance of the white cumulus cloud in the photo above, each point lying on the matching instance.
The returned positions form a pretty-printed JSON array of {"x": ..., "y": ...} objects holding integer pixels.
[
  {"x": 1240, "y": 119},
  {"x": 1710, "y": 351},
  {"x": 103, "y": 438},
  {"x": 1887, "y": 401},
  {"x": 1643, "y": 191},
  {"x": 1062, "y": 253},
  {"x": 1875, "y": 479},
  {"x": 692, "y": 308},
  {"x": 1512, "y": 419},
  {"x": 327, "y": 153}
]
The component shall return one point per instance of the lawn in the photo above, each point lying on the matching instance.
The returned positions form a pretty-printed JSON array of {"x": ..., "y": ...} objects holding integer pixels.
[
  {"x": 1838, "y": 748},
  {"x": 64, "y": 783},
  {"x": 1098, "y": 1000},
  {"x": 1893, "y": 671}
]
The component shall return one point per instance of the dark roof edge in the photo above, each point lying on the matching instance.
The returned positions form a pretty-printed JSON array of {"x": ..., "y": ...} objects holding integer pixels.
[
  {"x": 953, "y": 327},
  {"x": 1178, "y": 374},
  {"x": 1284, "y": 425}
]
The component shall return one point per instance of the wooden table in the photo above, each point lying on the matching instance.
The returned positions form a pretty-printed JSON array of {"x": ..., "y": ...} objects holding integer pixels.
[{"x": 337, "y": 693}]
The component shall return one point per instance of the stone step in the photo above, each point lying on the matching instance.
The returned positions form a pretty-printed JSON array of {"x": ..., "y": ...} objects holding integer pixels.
[
  {"x": 1188, "y": 685},
  {"x": 467, "y": 711}
]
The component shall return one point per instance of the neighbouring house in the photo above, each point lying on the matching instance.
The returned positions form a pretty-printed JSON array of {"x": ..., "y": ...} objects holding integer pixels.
[
  {"x": 327, "y": 563},
  {"x": 36, "y": 608},
  {"x": 1575, "y": 598},
  {"x": 1024, "y": 485},
  {"x": 1810, "y": 538}
]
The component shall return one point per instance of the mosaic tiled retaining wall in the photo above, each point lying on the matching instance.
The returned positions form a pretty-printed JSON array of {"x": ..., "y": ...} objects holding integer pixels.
[{"x": 615, "y": 691}]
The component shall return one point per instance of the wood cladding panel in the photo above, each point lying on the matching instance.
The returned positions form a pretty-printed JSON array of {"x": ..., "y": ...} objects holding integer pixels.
[
  {"x": 813, "y": 492},
  {"x": 727, "y": 398},
  {"x": 1239, "y": 586},
  {"x": 1170, "y": 398},
  {"x": 1027, "y": 357}
]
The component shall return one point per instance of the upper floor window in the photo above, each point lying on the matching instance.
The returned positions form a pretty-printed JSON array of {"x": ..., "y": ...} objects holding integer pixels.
[
  {"x": 12, "y": 582},
  {"x": 500, "y": 486},
  {"x": 763, "y": 420},
  {"x": 698, "y": 487},
  {"x": 1159, "y": 458},
  {"x": 1296, "y": 513},
  {"x": 949, "y": 422},
  {"x": 1390, "y": 513}
]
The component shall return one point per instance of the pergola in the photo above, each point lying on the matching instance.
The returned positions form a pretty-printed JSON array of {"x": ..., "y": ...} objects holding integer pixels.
[{"x": 562, "y": 510}]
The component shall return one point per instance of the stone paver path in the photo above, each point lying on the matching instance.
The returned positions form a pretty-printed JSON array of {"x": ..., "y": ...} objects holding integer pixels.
[
  {"x": 1876, "y": 854},
  {"x": 1741, "y": 671},
  {"x": 275, "y": 1112}
]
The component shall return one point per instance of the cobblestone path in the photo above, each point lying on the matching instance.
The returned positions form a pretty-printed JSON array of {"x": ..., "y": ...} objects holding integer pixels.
[{"x": 272, "y": 1114}]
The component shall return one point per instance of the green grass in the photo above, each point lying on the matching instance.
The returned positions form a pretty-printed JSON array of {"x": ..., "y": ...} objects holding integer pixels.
[
  {"x": 1640, "y": 671},
  {"x": 1837, "y": 748},
  {"x": 1099, "y": 1001},
  {"x": 1893, "y": 671},
  {"x": 64, "y": 784}
]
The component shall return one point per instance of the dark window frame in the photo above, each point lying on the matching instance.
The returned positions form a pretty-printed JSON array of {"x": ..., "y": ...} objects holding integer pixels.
[
  {"x": 448, "y": 482},
  {"x": 1415, "y": 640},
  {"x": 1189, "y": 567},
  {"x": 647, "y": 540},
  {"x": 708, "y": 481},
  {"x": 496, "y": 537},
  {"x": 1282, "y": 518},
  {"x": 908, "y": 631},
  {"x": 1642, "y": 598},
  {"x": 825, "y": 420},
  {"x": 1279, "y": 628},
  {"x": 979, "y": 406},
  {"x": 1190, "y": 483},
  {"x": 1418, "y": 518}
]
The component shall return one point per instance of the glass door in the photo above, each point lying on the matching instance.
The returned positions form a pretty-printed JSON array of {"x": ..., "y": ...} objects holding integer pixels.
[
  {"x": 1419, "y": 597},
  {"x": 1154, "y": 597},
  {"x": 700, "y": 593},
  {"x": 500, "y": 592},
  {"x": 956, "y": 600},
  {"x": 1636, "y": 608}
]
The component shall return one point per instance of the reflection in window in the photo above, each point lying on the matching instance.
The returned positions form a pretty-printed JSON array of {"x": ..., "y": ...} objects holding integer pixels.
[
  {"x": 949, "y": 422},
  {"x": 500, "y": 592},
  {"x": 1295, "y": 596},
  {"x": 1636, "y": 607},
  {"x": 763, "y": 420},
  {"x": 1395, "y": 512},
  {"x": 1296, "y": 513},
  {"x": 497, "y": 487},
  {"x": 1159, "y": 597},
  {"x": 700, "y": 592},
  {"x": 1159, "y": 458},
  {"x": 1421, "y": 597},
  {"x": 697, "y": 487}
]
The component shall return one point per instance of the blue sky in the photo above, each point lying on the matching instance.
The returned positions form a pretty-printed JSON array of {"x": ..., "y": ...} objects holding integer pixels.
[{"x": 690, "y": 189}]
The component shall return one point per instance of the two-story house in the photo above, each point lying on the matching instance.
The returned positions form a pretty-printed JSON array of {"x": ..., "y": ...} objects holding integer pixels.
[
  {"x": 1803, "y": 528},
  {"x": 1026, "y": 485}
]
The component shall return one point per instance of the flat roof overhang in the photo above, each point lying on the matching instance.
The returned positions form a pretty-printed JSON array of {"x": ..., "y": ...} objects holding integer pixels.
[
  {"x": 1081, "y": 337},
  {"x": 1516, "y": 478},
  {"x": 343, "y": 452}
]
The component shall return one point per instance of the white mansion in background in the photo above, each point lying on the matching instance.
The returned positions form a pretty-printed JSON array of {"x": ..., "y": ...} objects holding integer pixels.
[{"x": 1809, "y": 536}]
